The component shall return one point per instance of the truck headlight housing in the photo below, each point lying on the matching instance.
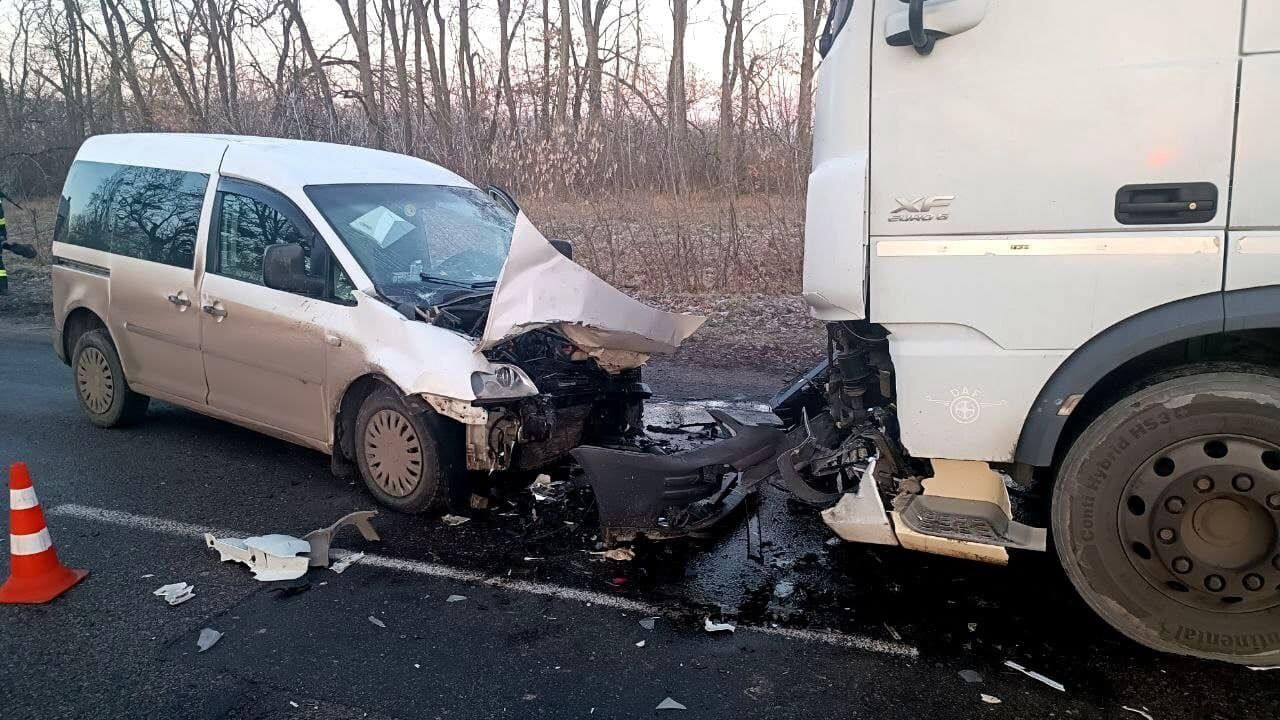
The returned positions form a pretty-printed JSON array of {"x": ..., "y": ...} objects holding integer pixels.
[{"x": 506, "y": 381}]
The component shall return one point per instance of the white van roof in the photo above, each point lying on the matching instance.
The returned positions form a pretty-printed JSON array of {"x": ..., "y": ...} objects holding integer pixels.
[{"x": 286, "y": 165}]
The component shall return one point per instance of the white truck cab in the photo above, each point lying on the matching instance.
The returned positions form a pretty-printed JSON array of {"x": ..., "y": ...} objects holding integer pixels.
[{"x": 1045, "y": 237}]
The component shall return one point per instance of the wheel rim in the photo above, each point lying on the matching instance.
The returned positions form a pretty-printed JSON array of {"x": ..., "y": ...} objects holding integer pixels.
[
  {"x": 393, "y": 453},
  {"x": 94, "y": 380},
  {"x": 1200, "y": 521}
]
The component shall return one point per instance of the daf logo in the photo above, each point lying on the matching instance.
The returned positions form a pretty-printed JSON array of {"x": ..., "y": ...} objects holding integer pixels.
[{"x": 921, "y": 209}]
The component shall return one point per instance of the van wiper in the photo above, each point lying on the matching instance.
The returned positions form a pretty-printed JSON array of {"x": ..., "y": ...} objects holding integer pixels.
[{"x": 428, "y": 277}]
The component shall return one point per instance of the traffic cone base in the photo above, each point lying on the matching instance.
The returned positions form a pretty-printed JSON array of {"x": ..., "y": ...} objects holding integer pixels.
[{"x": 35, "y": 574}]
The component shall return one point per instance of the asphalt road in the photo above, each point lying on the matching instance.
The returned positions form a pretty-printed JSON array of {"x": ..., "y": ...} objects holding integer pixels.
[{"x": 546, "y": 629}]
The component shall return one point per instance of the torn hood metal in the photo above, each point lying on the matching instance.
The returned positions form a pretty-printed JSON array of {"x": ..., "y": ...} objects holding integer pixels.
[{"x": 539, "y": 287}]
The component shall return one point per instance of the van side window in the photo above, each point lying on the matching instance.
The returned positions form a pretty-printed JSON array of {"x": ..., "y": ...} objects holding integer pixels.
[
  {"x": 246, "y": 228},
  {"x": 140, "y": 212},
  {"x": 343, "y": 289}
]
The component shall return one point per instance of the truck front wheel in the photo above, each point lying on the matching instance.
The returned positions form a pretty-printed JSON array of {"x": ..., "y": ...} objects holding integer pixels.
[{"x": 1166, "y": 516}]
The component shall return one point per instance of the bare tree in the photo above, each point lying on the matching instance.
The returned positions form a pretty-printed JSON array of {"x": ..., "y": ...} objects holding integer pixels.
[{"x": 813, "y": 10}]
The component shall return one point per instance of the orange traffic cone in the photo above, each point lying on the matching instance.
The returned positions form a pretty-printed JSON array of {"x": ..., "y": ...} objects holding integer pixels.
[{"x": 35, "y": 575}]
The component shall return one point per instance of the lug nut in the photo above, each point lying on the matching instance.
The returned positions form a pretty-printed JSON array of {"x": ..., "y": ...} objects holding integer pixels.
[
  {"x": 1215, "y": 583},
  {"x": 1166, "y": 535},
  {"x": 1273, "y": 501},
  {"x": 1243, "y": 483},
  {"x": 1253, "y": 582},
  {"x": 1204, "y": 483},
  {"x": 1181, "y": 565},
  {"x": 1176, "y": 504}
]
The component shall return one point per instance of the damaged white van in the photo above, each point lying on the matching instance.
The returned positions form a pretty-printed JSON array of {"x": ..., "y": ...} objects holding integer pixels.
[{"x": 369, "y": 305}]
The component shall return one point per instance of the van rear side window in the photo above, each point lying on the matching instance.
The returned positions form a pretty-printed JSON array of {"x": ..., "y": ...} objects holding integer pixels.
[{"x": 139, "y": 212}]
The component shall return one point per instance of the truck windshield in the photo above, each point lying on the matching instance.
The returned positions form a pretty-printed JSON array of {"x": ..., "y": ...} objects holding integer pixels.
[{"x": 417, "y": 242}]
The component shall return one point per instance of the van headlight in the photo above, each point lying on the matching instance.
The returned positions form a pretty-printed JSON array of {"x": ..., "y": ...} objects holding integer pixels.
[{"x": 506, "y": 381}]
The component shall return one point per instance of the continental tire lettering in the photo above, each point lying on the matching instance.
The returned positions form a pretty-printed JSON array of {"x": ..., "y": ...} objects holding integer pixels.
[{"x": 1247, "y": 641}]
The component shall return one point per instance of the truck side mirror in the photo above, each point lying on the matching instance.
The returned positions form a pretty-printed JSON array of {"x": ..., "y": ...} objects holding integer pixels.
[
  {"x": 925, "y": 22},
  {"x": 284, "y": 268}
]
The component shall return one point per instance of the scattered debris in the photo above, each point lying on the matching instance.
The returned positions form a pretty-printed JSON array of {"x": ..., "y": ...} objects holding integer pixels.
[
  {"x": 293, "y": 703},
  {"x": 973, "y": 627},
  {"x": 148, "y": 575},
  {"x": 1035, "y": 676},
  {"x": 991, "y": 699},
  {"x": 640, "y": 644},
  {"x": 319, "y": 540},
  {"x": 621, "y": 554},
  {"x": 784, "y": 589},
  {"x": 208, "y": 638},
  {"x": 647, "y": 623},
  {"x": 345, "y": 562},
  {"x": 897, "y": 637},
  {"x": 718, "y": 627},
  {"x": 270, "y": 557},
  {"x": 971, "y": 676},
  {"x": 669, "y": 704},
  {"x": 529, "y": 697},
  {"x": 289, "y": 588},
  {"x": 834, "y": 542},
  {"x": 455, "y": 598},
  {"x": 454, "y": 520},
  {"x": 176, "y": 593},
  {"x": 377, "y": 622},
  {"x": 1143, "y": 712}
]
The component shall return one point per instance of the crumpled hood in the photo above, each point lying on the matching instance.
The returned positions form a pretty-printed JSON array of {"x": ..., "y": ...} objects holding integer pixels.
[{"x": 539, "y": 287}]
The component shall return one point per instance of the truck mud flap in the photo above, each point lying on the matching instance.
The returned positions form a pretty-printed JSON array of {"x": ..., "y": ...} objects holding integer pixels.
[{"x": 665, "y": 496}]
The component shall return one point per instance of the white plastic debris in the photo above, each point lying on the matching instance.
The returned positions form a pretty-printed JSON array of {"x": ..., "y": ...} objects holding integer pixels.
[
  {"x": 377, "y": 622},
  {"x": 293, "y": 703},
  {"x": 454, "y": 520},
  {"x": 622, "y": 554},
  {"x": 669, "y": 704},
  {"x": 1264, "y": 669},
  {"x": 647, "y": 623},
  {"x": 343, "y": 563},
  {"x": 1035, "y": 676},
  {"x": 640, "y": 644},
  {"x": 270, "y": 557},
  {"x": 175, "y": 593},
  {"x": 455, "y": 598},
  {"x": 208, "y": 638},
  {"x": 991, "y": 699},
  {"x": 712, "y": 627},
  {"x": 1143, "y": 712}
]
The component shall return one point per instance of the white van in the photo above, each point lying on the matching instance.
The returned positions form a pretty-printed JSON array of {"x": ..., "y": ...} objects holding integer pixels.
[{"x": 344, "y": 299}]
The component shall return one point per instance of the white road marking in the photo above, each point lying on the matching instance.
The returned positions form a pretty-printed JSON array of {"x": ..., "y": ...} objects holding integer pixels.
[{"x": 177, "y": 528}]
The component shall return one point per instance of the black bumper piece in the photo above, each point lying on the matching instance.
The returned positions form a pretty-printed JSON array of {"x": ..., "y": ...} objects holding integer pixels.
[{"x": 664, "y": 496}]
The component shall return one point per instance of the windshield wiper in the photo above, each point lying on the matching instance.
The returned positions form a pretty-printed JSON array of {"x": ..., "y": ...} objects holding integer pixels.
[{"x": 428, "y": 277}]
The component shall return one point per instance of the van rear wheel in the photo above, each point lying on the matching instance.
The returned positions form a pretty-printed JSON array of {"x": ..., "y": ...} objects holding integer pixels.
[
  {"x": 101, "y": 387},
  {"x": 408, "y": 459},
  {"x": 1166, "y": 516}
]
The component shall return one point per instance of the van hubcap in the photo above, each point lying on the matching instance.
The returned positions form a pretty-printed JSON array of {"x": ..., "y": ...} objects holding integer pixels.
[
  {"x": 393, "y": 453},
  {"x": 93, "y": 378},
  {"x": 1200, "y": 521}
]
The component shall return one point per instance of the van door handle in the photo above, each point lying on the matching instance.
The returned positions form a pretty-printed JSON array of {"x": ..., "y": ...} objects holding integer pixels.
[
  {"x": 215, "y": 311},
  {"x": 180, "y": 301}
]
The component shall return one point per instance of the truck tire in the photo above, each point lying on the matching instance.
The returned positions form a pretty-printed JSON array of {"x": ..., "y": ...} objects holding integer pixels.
[
  {"x": 409, "y": 459},
  {"x": 101, "y": 388},
  {"x": 1166, "y": 516}
]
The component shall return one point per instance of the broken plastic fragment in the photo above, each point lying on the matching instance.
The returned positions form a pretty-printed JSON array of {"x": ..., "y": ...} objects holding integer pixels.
[
  {"x": 718, "y": 627},
  {"x": 669, "y": 704},
  {"x": 1143, "y": 712},
  {"x": 345, "y": 562},
  {"x": 970, "y": 676},
  {"x": 455, "y": 598},
  {"x": 208, "y": 638},
  {"x": 640, "y": 644},
  {"x": 621, "y": 554},
  {"x": 270, "y": 557},
  {"x": 647, "y": 623},
  {"x": 319, "y": 540},
  {"x": 454, "y": 520},
  {"x": 377, "y": 622},
  {"x": 176, "y": 593},
  {"x": 1035, "y": 676},
  {"x": 991, "y": 699}
]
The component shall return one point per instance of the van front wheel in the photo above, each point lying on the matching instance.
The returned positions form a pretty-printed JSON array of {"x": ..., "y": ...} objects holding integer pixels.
[
  {"x": 405, "y": 457},
  {"x": 1166, "y": 516},
  {"x": 101, "y": 388}
]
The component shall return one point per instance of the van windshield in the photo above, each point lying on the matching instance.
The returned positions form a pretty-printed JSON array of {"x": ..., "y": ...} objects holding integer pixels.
[{"x": 418, "y": 242}]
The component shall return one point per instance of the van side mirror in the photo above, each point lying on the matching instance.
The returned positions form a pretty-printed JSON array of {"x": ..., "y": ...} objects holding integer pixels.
[
  {"x": 564, "y": 246},
  {"x": 284, "y": 268}
]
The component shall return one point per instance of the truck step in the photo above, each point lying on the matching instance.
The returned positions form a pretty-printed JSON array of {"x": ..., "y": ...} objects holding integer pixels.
[{"x": 971, "y": 520}]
